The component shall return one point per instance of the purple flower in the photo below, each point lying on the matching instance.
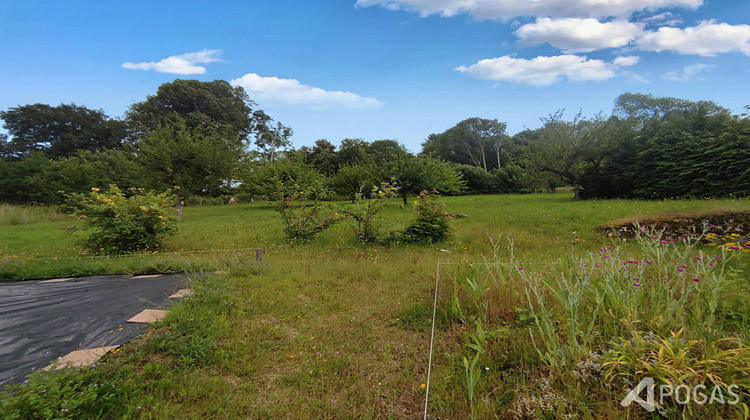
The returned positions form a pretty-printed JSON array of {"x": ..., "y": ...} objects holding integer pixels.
[
  {"x": 716, "y": 257},
  {"x": 585, "y": 265},
  {"x": 636, "y": 284},
  {"x": 525, "y": 283},
  {"x": 662, "y": 242},
  {"x": 696, "y": 279},
  {"x": 606, "y": 256},
  {"x": 684, "y": 266},
  {"x": 712, "y": 264},
  {"x": 520, "y": 268},
  {"x": 648, "y": 261},
  {"x": 598, "y": 266},
  {"x": 680, "y": 270},
  {"x": 697, "y": 258}
]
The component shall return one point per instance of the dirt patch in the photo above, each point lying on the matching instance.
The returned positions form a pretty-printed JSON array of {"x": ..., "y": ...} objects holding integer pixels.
[{"x": 683, "y": 226}]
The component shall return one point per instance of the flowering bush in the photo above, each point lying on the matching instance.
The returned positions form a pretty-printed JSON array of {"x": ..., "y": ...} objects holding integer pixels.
[
  {"x": 431, "y": 225},
  {"x": 124, "y": 223}
]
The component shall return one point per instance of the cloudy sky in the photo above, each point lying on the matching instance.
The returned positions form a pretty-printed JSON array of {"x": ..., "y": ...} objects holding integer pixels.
[{"x": 376, "y": 69}]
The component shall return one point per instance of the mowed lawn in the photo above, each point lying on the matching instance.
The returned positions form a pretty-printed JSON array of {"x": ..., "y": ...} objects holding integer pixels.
[{"x": 331, "y": 329}]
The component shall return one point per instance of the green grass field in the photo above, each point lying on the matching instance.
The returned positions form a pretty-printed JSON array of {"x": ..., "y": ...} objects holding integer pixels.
[{"x": 336, "y": 329}]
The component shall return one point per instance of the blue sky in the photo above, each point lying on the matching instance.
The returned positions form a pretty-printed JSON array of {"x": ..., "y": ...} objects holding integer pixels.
[{"x": 377, "y": 69}]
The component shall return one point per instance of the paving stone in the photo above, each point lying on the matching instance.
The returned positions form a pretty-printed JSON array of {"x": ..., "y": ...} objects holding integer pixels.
[
  {"x": 149, "y": 315},
  {"x": 56, "y": 280},
  {"x": 80, "y": 358},
  {"x": 182, "y": 293}
]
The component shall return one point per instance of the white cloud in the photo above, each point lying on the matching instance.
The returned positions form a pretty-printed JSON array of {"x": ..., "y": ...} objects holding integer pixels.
[
  {"x": 629, "y": 60},
  {"x": 507, "y": 9},
  {"x": 291, "y": 91},
  {"x": 574, "y": 35},
  {"x": 708, "y": 38},
  {"x": 663, "y": 19},
  {"x": 179, "y": 64},
  {"x": 689, "y": 72},
  {"x": 544, "y": 71}
]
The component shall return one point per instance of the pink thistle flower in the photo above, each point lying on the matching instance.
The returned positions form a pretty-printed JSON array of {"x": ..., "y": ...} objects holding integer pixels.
[
  {"x": 680, "y": 270},
  {"x": 636, "y": 284},
  {"x": 520, "y": 268},
  {"x": 696, "y": 279},
  {"x": 648, "y": 261}
]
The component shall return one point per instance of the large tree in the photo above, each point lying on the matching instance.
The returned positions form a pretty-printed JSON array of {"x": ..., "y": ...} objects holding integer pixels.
[
  {"x": 59, "y": 131},
  {"x": 216, "y": 104},
  {"x": 569, "y": 149},
  {"x": 474, "y": 141},
  {"x": 414, "y": 174},
  {"x": 197, "y": 160}
]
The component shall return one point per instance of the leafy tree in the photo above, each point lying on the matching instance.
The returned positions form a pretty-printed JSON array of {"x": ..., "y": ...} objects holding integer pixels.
[
  {"x": 272, "y": 138},
  {"x": 58, "y": 131},
  {"x": 20, "y": 182},
  {"x": 323, "y": 157},
  {"x": 569, "y": 149},
  {"x": 353, "y": 152},
  {"x": 475, "y": 141},
  {"x": 415, "y": 174},
  {"x": 383, "y": 151},
  {"x": 286, "y": 176},
  {"x": 215, "y": 104},
  {"x": 194, "y": 159},
  {"x": 350, "y": 180}
]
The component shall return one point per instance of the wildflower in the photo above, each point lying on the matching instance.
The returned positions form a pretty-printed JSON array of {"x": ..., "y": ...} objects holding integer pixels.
[
  {"x": 684, "y": 266},
  {"x": 423, "y": 386},
  {"x": 680, "y": 270},
  {"x": 520, "y": 268},
  {"x": 525, "y": 283},
  {"x": 696, "y": 279},
  {"x": 697, "y": 258},
  {"x": 598, "y": 266},
  {"x": 734, "y": 247},
  {"x": 606, "y": 256},
  {"x": 648, "y": 261},
  {"x": 585, "y": 265},
  {"x": 662, "y": 242},
  {"x": 716, "y": 257},
  {"x": 636, "y": 284},
  {"x": 712, "y": 264}
]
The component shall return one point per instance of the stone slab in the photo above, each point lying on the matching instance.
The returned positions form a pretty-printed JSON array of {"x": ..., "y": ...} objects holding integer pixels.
[
  {"x": 56, "y": 280},
  {"x": 148, "y": 316},
  {"x": 182, "y": 293},
  {"x": 80, "y": 358}
]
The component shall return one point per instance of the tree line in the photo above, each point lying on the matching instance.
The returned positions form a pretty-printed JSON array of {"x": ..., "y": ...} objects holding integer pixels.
[{"x": 208, "y": 139}]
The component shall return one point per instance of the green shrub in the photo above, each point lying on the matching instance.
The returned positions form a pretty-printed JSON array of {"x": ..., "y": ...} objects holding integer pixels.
[
  {"x": 431, "y": 225},
  {"x": 364, "y": 220},
  {"x": 303, "y": 213},
  {"x": 126, "y": 223}
]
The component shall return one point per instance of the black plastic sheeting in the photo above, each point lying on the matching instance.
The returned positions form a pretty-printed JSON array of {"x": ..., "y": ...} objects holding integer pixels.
[{"x": 40, "y": 322}]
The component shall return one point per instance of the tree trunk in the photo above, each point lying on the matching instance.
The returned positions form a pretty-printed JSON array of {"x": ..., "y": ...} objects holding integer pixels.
[
  {"x": 403, "y": 195},
  {"x": 550, "y": 188},
  {"x": 576, "y": 192},
  {"x": 180, "y": 206}
]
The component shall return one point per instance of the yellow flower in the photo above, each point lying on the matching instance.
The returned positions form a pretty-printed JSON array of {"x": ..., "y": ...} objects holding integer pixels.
[{"x": 423, "y": 386}]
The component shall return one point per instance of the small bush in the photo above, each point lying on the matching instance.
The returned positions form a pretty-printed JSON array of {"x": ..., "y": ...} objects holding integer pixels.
[
  {"x": 364, "y": 220},
  {"x": 126, "y": 223},
  {"x": 303, "y": 214},
  {"x": 431, "y": 225}
]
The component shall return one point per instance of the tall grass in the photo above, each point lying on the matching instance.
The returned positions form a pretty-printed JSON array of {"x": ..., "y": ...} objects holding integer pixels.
[{"x": 23, "y": 215}]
